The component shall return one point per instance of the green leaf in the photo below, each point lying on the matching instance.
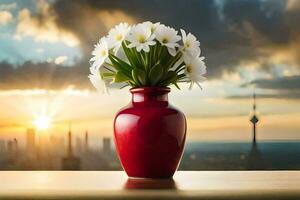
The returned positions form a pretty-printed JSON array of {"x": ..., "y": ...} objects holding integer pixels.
[
  {"x": 155, "y": 74},
  {"x": 129, "y": 55},
  {"x": 135, "y": 77},
  {"x": 176, "y": 85},
  {"x": 124, "y": 64},
  {"x": 139, "y": 76},
  {"x": 120, "y": 77},
  {"x": 171, "y": 77},
  {"x": 119, "y": 66}
]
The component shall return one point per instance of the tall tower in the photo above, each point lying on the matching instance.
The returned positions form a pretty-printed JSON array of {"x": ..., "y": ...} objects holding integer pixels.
[
  {"x": 255, "y": 160},
  {"x": 254, "y": 118},
  {"x": 70, "y": 150},
  {"x": 70, "y": 162},
  {"x": 106, "y": 147},
  {"x": 86, "y": 142}
]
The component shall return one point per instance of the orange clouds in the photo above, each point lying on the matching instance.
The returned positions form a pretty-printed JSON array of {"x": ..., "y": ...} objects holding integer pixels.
[
  {"x": 111, "y": 18},
  {"x": 42, "y": 27},
  {"x": 5, "y": 17}
]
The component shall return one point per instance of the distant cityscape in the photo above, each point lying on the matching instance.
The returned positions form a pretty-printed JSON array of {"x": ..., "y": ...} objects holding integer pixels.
[{"x": 44, "y": 151}]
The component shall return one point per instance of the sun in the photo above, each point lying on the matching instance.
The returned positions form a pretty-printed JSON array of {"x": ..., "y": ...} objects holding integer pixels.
[{"x": 42, "y": 122}]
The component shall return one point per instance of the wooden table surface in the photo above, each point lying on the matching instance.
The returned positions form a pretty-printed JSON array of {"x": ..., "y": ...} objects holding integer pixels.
[{"x": 115, "y": 185}]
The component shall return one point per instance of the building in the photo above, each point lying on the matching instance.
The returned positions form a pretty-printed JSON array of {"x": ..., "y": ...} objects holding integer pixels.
[
  {"x": 9, "y": 147},
  {"x": 57, "y": 145},
  {"x": 78, "y": 145},
  {"x": 106, "y": 149},
  {"x": 15, "y": 145},
  {"x": 70, "y": 162},
  {"x": 2, "y": 146},
  {"x": 86, "y": 142},
  {"x": 30, "y": 140}
]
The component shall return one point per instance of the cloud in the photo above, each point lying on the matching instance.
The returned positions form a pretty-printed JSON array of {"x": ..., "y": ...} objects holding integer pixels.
[
  {"x": 5, "y": 17},
  {"x": 9, "y": 6},
  {"x": 276, "y": 95},
  {"x": 234, "y": 34},
  {"x": 284, "y": 83},
  {"x": 89, "y": 22},
  {"x": 284, "y": 87},
  {"x": 231, "y": 32},
  {"x": 293, "y": 5},
  {"x": 46, "y": 75},
  {"x": 42, "y": 27},
  {"x": 60, "y": 60}
]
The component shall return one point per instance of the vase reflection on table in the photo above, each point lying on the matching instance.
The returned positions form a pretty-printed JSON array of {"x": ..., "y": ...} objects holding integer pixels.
[
  {"x": 150, "y": 134},
  {"x": 150, "y": 184}
]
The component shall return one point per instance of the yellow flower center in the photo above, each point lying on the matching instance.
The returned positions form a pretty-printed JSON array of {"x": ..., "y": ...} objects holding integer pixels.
[
  {"x": 141, "y": 38},
  {"x": 118, "y": 37},
  {"x": 187, "y": 45},
  {"x": 165, "y": 40},
  {"x": 103, "y": 53}
]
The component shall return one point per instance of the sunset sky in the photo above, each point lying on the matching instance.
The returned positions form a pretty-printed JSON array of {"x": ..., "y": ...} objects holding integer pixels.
[{"x": 45, "y": 47}]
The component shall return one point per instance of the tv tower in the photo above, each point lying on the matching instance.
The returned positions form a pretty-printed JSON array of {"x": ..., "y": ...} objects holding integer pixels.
[
  {"x": 255, "y": 158},
  {"x": 254, "y": 118}
]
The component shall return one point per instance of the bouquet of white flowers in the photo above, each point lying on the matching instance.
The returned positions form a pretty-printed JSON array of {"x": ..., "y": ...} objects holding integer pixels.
[{"x": 146, "y": 55}]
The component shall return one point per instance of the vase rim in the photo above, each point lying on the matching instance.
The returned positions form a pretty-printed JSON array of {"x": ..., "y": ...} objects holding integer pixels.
[{"x": 150, "y": 89}]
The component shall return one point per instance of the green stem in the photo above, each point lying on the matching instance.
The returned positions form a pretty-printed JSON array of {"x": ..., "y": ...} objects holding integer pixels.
[
  {"x": 179, "y": 67},
  {"x": 109, "y": 69}
]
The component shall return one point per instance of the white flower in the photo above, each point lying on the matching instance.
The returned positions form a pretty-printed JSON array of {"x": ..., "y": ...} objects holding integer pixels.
[
  {"x": 96, "y": 80},
  {"x": 168, "y": 37},
  {"x": 141, "y": 37},
  {"x": 100, "y": 53},
  {"x": 194, "y": 71},
  {"x": 117, "y": 35},
  {"x": 190, "y": 47},
  {"x": 151, "y": 26}
]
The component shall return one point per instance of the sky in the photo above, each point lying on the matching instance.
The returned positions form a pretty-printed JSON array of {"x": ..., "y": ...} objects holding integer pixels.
[{"x": 45, "y": 47}]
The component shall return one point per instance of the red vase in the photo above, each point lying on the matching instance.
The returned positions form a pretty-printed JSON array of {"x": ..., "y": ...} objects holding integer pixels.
[{"x": 150, "y": 134}]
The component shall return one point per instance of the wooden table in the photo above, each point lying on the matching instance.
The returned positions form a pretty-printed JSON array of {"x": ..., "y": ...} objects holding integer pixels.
[{"x": 115, "y": 185}]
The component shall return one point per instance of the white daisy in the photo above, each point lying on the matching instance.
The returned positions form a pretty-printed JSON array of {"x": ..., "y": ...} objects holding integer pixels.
[
  {"x": 117, "y": 35},
  {"x": 191, "y": 46},
  {"x": 96, "y": 80},
  {"x": 194, "y": 71},
  {"x": 100, "y": 54},
  {"x": 152, "y": 26},
  {"x": 141, "y": 38},
  {"x": 168, "y": 37}
]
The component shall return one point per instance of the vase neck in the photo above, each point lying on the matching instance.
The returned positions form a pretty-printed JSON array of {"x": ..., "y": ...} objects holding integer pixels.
[{"x": 150, "y": 95}]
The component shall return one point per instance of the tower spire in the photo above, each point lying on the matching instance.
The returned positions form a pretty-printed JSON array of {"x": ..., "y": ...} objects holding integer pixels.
[
  {"x": 254, "y": 118},
  {"x": 70, "y": 150},
  {"x": 254, "y": 100}
]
